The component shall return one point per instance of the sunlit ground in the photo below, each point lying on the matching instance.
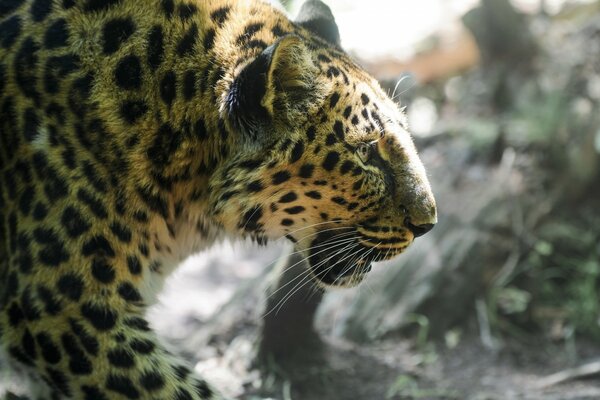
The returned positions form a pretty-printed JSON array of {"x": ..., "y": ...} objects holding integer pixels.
[{"x": 207, "y": 280}]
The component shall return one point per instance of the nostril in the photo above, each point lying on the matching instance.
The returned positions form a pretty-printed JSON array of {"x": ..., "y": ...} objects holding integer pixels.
[{"x": 418, "y": 230}]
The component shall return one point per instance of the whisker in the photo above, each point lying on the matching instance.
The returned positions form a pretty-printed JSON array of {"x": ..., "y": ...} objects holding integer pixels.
[
  {"x": 356, "y": 255},
  {"x": 366, "y": 283},
  {"x": 345, "y": 242},
  {"x": 306, "y": 279},
  {"x": 315, "y": 246},
  {"x": 350, "y": 264},
  {"x": 326, "y": 230},
  {"x": 339, "y": 238},
  {"x": 402, "y": 79},
  {"x": 313, "y": 225},
  {"x": 318, "y": 245},
  {"x": 339, "y": 242}
]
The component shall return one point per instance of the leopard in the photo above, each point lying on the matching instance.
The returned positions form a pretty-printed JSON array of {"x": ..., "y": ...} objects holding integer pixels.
[{"x": 134, "y": 134}]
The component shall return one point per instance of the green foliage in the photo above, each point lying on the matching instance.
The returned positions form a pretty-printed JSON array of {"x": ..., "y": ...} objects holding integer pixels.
[
  {"x": 422, "y": 323},
  {"x": 287, "y": 4},
  {"x": 407, "y": 387},
  {"x": 538, "y": 120},
  {"x": 554, "y": 288}
]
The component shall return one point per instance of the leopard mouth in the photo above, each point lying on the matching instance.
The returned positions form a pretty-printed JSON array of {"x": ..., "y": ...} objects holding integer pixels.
[
  {"x": 342, "y": 257},
  {"x": 339, "y": 259},
  {"x": 334, "y": 270}
]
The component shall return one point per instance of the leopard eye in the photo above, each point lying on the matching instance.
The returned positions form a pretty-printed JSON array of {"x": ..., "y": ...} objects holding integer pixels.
[{"x": 364, "y": 152}]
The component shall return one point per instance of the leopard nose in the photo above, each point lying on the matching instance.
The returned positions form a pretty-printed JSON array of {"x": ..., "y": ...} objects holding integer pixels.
[{"x": 418, "y": 230}]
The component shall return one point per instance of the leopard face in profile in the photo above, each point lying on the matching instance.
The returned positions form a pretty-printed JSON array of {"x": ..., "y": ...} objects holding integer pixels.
[{"x": 133, "y": 134}]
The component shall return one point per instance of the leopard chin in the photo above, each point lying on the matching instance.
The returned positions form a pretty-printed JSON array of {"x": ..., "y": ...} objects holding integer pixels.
[
  {"x": 335, "y": 262},
  {"x": 337, "y": 270}
]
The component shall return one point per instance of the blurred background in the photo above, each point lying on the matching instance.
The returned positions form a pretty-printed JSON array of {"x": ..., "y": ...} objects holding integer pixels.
[{"x": 500, "y": 300}]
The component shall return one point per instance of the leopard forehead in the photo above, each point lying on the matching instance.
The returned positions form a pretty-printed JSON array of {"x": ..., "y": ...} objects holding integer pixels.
[{"x": 314, "y": 163}]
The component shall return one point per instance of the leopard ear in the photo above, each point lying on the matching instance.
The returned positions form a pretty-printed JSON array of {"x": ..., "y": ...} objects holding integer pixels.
[
  {"x": 316, "y": 16},
  {"x": 279, "y": 86}
]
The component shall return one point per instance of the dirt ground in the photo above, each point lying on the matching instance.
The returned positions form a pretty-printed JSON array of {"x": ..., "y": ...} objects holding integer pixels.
[
  {"x": 397, "y": 368},
  {"x": 392, "y": 369}
]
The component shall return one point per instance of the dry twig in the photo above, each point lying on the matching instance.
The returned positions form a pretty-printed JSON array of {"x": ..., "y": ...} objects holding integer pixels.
[{"x": 582, "y": 371}]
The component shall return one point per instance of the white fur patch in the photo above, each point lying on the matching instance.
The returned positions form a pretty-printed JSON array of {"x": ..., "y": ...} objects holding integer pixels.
[
  {"x": 191, "y": 235},
  {"x": 41, "y": 140}
]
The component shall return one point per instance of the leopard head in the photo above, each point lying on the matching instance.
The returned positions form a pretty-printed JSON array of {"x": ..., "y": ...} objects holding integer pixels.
[{"x": 325, "y": 158}]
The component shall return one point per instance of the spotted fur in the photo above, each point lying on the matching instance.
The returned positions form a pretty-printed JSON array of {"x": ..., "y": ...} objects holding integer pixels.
[{"x": 134, "y": 133}]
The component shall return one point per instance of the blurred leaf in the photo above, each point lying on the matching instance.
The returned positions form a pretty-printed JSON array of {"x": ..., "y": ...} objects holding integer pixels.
[
  {"x": 287, "y": 4},
  {"x": 406, "y": 386},
  {"x": 538, "y": 120},
  {"x": 512, "y": 300},
  {"x": 452, "y": 338},
  {"x": 403, "y": 385},
  {"x": 423, "y": 328},
  {"x": 544, "y": 248}
]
